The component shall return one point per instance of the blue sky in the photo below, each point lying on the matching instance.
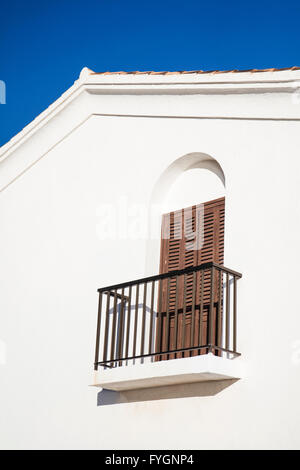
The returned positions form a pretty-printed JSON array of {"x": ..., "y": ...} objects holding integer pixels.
[{"x": 45, "y": 44}]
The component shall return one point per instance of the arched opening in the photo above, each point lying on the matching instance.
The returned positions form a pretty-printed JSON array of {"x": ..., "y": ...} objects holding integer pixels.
[
  {"x": 190, "y": 203},
  {"x": 190, "y": 180},
  {"x": 190, "y": 161},
  {"x": 193, "y": 186}
]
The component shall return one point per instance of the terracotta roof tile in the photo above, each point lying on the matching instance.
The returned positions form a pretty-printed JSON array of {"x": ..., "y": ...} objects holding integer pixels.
[{"x": 194, "y": 71}]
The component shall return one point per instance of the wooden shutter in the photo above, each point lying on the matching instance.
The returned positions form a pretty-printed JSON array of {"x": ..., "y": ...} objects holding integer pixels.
[
  {"x": 190, "y": 237},
  {"x": 178, "y": 232}
]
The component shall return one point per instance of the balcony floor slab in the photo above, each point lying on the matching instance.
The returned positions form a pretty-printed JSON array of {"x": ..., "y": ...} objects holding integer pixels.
[{"x": 201, "y": 368}]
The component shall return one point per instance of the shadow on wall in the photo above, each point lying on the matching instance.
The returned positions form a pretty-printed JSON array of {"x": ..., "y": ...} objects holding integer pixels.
[{"x": 199, "y": 389}]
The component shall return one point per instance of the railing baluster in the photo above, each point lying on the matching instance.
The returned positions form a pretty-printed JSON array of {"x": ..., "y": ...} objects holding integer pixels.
[
  {"x": 201, "y": 309},
  {"x": 106, "y": 327},
  {"x": 220, "y": 313},
  {"x": 193, "y": 312},
  {"x": 143, "y": 319},
  {"x": 98, "y": 331},
  {"x": 183, "y": 314},
  {"x": 159, "y": 320},
  {"x": 128, "y": 321},
  {"x": 113, "y": 331},
  {"x": 211, "y": 308},
  {"x": 136, "y": 319},
  {"x": 167, "y": 332},
  {"x": 151, "y": 317},
  {"x": 234, "y": 313},
  {"x": 227, "y": 313},
  {"x": 121, "y": 327},
  {"x": 176, "y": 315}
]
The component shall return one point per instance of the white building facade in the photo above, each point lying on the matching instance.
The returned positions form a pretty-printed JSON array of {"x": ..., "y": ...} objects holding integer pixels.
[{"x": 83, "y": 190}]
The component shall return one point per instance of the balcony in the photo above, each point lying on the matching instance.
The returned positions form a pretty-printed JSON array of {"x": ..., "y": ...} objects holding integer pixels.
[{"x": 173, "y": 328}]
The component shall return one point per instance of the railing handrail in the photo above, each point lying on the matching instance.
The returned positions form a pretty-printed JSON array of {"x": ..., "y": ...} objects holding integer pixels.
[
  {"x": 209, "y": 347},
  {"x": 174, "y": 273}
]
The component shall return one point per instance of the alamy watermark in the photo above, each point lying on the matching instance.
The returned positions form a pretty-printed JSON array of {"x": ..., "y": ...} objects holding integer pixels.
[
  {"x": 2, "y": 353},
  {"x": 296, "y": 352},
  {"x": 2, "y": 92},
  {"x": 296, "y": 93},
  {"x": 123, "y": 220}
]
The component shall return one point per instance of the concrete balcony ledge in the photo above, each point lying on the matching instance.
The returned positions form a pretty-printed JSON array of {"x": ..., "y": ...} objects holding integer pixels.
[{"x": 203, "y": 368}]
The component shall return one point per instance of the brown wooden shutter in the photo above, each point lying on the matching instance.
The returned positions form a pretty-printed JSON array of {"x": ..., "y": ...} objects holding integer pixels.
[{"x": 178, "y": 233}]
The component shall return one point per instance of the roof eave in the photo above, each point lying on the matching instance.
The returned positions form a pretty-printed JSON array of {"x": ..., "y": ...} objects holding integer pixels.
[{"x": 236, "y": 81}]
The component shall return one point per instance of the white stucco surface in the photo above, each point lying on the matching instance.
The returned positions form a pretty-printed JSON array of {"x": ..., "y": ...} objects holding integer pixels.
[{"x": 110, "y": 142}]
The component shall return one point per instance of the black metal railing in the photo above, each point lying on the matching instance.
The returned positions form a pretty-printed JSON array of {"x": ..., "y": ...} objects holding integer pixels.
[{"x": 177, "y": 314}]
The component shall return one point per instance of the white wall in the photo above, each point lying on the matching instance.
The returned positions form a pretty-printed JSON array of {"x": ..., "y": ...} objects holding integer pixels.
[{"x": 53, "y": 260}]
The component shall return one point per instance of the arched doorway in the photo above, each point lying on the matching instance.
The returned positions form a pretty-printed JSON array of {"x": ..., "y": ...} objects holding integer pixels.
[{"x": 192, "y": 196}]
